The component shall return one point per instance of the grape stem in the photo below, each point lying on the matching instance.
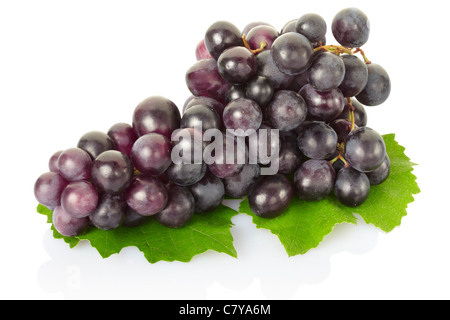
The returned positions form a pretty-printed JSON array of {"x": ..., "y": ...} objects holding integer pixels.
[
  {"x": 263, "y": 45},
  {"x": 340, "y": 156},
  {"x": 351, "y": 114},
  {"x": 340, "y": 50}
]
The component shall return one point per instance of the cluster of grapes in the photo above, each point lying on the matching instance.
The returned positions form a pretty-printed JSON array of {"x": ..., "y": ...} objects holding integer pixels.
[{"x": 290, "y": 82}]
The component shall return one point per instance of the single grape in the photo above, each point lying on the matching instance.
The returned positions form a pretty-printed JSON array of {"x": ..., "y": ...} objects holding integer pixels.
[
  {"x": 342, "y": 127},
  {"x": 95, "y": 143},
  {"x": 327, "y": 72},
  {"x": 292, "y": 53},
  {"x": 323, "y": 106},
  {"x": 227, "y": 158},
  {"x": 208, "y": 193},
  {"x": 156, "y": 114},
  {"x": 201, "y": 52},
  {"x": 237, "y": 65},
  {"x": 378, "y": 87},
  {"x": 261, "y": 34},
  {"x": 270, "y": 196},
  {"x": 112, "y": 171},
  {"x": 146, "y": 195},
  {"x": 356, "y": 75},
  {"x": 66, "y": 224},
  {"x": 352, "y": 187},
  {"x": 151, "y": 154},
  {"x": 244, "y": 114},
  {"x": 186, "y": 174},
  {"x": 312, "y": 26},
  {"x": 317, "y": 140},
  {"x": 200, "y": 116},
  {"x": 238, "y": 185},
  {"x": 289, "y": 26},
  {"x": 79, "y": 199},
  {"x": 268, "y": 69},
  {"x": 133, "y": 219},
  {"x": 110, "y": 212},
  {"x": 203, "y": 79},
  {"x": 365, "y": 149},
  {"x": 220, "y": 36},
  {"x": 359, "y": 113},
  {"x": 286, "y": 111},
  {"x": 290, "y": 157},
  {"x": 123, "y": 136},
  {"x": 260, "y": 90},
  {"x": 351, "y": 28},
  {"x": 75, "y": 164},
  {"x": 209, "y": 102},
  {"x": 179, "y": 209},
  {"x": 48, "y": 189},
  {"x": 53, "y": 161},
  {"x": 314, "y": 180},
  {"x": 380, "y": 174}
]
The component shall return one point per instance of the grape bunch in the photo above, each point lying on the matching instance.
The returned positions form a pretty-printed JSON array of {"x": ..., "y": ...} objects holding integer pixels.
[{"x": 169, "y": 163}]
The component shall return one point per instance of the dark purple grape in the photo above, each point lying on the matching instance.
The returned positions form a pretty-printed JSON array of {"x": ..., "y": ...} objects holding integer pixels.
[
  {"x": 112, "y": 171},
  {"x": 292, "y": 53},
  {"x": 201, "y": 117},
  {"x": 186, "y": 174},
  {"x": 365, "y": 149},
  {"x": 67, "y": 225},
  {"x": 242, "y": 115},
  {"x": 380, "y": 174},
  {"x": 289, "y": 27},
  {"x": 95, "y": 143},
  {"x": 179, "y": 209},
  {"x": 314, "y": 180},
  {"x": 290, "y": 157},
  {"x": 312, "y": 26},
  {"x": 342, "y": 127},
  {"x": 123, "y": 136},
  {"x": 352, "y": 187},
  {"x": 264, "y": 145},
  {"x": 237, "y": 65},
  {"x": 209, "y": 102},
  {"x": 133, "y": 219},
  {"x": 203, "y": 79},
  {"x": 110, "y": 212},
  {"x": 235, "y": 92},
  {"x": 268, "y": 69},
  {"x": 351, "y": 28},
  {"x": 187, "y": 146},
  {"x": 208, "y": 193},
  {"x": 156, "y": 114},
  {"x": 260, "y": 90},
  {"x": 201, "y": 52},
  {"x": 146, "y": 195},
  {"x": 79, "y": 199},
  {"x": 270, "y": 196},
  {"x": 53, "y": 161},
  {"x": 220, "y": 36},
  {"x": 317, "y": 140},
  {"x": 75, "y": 164},
  {"x": 238, "y": 185},
  {"x": 48, "y": 189},
  {"x": 286, "y": 111},
  {"x": 151, "y": 154},
  {"x": 252, "y": 25},
  {"x": 227, "y": 158},
  {"x": 378, "y": 87},
  {"x": 359, "y": 113},
  {"x": 356, "y": 75},
  {"x": 299, "y": 81},
  {"x": 326, "y": 72},
  {"x": 260, "y": 34},
  {"x": 323, "y": 106}
]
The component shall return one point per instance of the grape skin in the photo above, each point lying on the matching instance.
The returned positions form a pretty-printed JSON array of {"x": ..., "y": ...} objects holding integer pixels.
[
  {"x": 351, "y": 28},
  {"x": 380, "y": 174},
  {"x": 186, "y": 174},
  {"x": 220, "y": 36},
  {"x": 95, "y": 143},
  {"x": 292, "y": 53},
  {"x": 286, "y": 111},
  {"x": 312, "y": 26},
  {"x": 79, "y": 199},
  {"x": 352, "y": 187},
  {"x": 323, "y": 106},
  {"x": 208, "y": 193},
  {"x": 146, "y": 195},
  {"x": 356, "y": 76},
  {"x": 75, "y": 164},
  {"x": 327, "y": 72},
  {"x": 66, "y": 224},
  {"x": 238, "y": 185},
  {"x": 48, "y": 189},
  {"x": 317, "y": 140},
  {"x": 109, "y": 213},
  {"x": 268, "y": 69},
  {"x": 260, "y": 90},
  {"x": 242, "y": 114},
  {"x": 260, "y": 34},
  {"x": 179, "y": 209},
  {"x": 151, "y": 154},
  {"x": 123, "y": 136},
  {"x": 314, "y": 180},
  {"x": 378, "y": 87},
  {"x": 237, "y": 65}
]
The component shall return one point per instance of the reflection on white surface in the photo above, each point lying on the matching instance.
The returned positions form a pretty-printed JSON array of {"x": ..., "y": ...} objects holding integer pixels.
[{"x": 262, "y": 270}]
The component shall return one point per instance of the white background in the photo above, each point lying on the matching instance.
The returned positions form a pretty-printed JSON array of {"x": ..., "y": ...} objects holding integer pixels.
[{"x": 68, "y": 67}]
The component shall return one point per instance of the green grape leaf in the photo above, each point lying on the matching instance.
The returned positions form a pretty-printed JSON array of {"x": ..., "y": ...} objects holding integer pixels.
[
  {"x": 159, "y": 243},
  {"x": 305, "y": 224}
]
